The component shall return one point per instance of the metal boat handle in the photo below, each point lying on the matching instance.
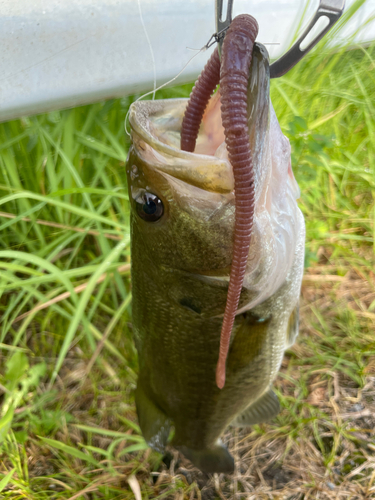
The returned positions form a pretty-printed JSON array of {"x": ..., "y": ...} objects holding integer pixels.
[{"x": 332, "y": 9}]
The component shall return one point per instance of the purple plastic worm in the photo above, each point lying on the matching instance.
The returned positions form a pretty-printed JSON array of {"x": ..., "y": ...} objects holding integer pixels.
[
  {"x": 234, "y": 75},
  {"x": 199, "y": 97}
]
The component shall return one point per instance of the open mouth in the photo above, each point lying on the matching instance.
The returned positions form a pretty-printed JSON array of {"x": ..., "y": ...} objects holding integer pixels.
[{"x": 156, "y": 135}]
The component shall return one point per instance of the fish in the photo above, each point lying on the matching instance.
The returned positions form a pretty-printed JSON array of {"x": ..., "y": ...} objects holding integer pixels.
[{"x": 182, "y": 225}]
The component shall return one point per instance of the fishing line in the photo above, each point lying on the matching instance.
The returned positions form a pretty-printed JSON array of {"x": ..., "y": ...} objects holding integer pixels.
[
  {"x": 149, "y": 44},
  {"x": 163, "y": 85}
]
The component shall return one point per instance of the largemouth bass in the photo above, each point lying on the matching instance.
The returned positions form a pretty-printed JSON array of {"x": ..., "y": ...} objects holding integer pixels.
[{"x": 182, "y": 219}]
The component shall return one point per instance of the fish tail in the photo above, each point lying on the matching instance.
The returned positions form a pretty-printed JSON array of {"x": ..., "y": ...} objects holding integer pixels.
[{"x": 213, "y": 459}]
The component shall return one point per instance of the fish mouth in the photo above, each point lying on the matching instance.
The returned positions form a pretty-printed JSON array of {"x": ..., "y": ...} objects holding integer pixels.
[{"x": 156, "y": 127}]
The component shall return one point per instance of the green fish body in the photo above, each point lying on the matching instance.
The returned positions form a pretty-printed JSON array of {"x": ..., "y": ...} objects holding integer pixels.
[{"x": 182, "y": 221}]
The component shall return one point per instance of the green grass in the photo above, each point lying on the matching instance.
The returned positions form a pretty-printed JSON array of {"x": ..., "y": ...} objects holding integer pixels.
[{"x": 68, "y": 426}]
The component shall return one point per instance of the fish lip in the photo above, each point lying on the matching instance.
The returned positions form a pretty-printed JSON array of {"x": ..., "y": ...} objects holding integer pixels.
[
  {"x": 139, "y": 115},
  {"x": 141, "y": 111}
]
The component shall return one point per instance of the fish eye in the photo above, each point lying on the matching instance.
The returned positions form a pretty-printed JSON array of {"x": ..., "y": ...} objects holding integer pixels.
[{"x": 149, "y": 207}]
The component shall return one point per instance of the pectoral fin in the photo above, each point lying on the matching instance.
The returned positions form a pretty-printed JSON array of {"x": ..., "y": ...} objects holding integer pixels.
[
  {"x": 265, "y": 408},
  {"x": 154, "y": 424}
]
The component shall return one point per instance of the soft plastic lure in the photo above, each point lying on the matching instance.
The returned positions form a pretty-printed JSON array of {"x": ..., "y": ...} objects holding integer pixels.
[{"x": 233, "y": 73}]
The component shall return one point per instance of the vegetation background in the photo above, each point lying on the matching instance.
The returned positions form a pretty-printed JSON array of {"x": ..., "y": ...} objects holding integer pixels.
[{"x": 68, "y": 427}]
